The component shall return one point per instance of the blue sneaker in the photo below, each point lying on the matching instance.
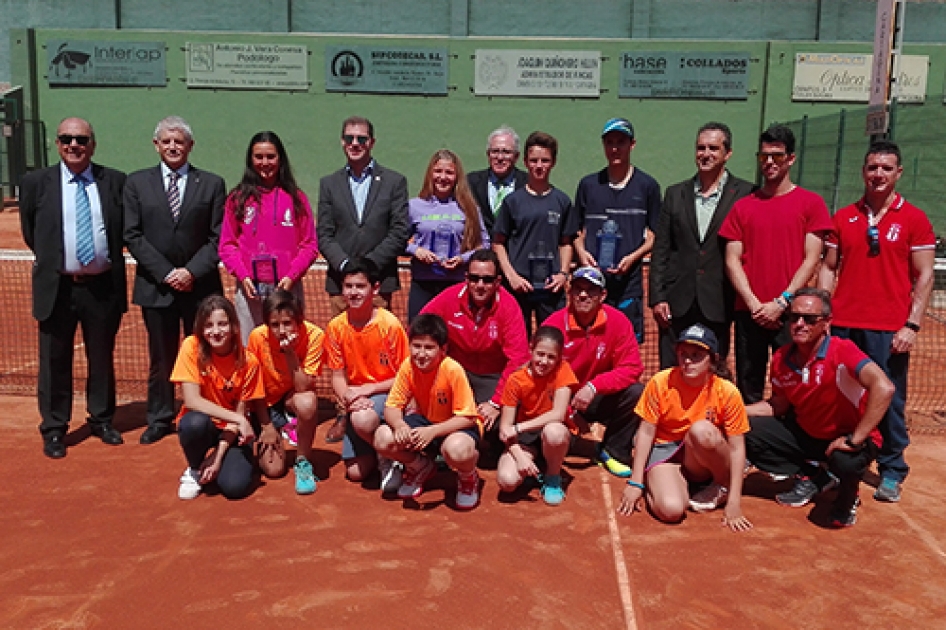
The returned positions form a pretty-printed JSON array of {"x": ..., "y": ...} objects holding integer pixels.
[
  {"x": 552, "y": 492},
  {"x": 612, "y": 465},
  {"x": 305, "y": 477},
  {"x": 888, "y": 491}
]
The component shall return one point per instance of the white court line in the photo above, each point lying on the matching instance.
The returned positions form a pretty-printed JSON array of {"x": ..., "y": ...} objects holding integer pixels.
[
  {"x": 924, "y": 535},
  {"x": 624, "y": 582}
]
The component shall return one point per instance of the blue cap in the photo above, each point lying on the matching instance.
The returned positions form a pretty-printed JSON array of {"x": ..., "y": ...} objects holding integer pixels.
[
  {"x": 619, "y": 124},
  {"x": 700, "y": 335},
  {"x": 592, "y": 275}
]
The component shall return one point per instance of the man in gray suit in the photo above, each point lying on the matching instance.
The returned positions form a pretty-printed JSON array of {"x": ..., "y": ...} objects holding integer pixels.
[
  {"x": 362, "y": 213},
  {"x": 688, "y": 282},
  {"x": 173, "y": 213},
  {"x": 71, "y": 217}
]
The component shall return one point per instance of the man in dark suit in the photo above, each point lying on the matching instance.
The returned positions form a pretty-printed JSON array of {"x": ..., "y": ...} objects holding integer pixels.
[
  {"x": 71, "y": 217},
  {"x": 688, "y": 282},
  {"x": 173, "y": 213},
  {"x": 490, "y": 186},
  {"x": 362, "y": 213}
]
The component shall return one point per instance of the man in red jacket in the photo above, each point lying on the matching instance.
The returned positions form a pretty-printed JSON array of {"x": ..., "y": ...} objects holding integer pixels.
[{"x": 602, "y": 350}]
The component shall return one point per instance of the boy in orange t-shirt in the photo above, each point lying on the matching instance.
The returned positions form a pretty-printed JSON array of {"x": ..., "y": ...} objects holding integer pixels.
[
  {"x": 364, "y": 346},
  {"x": 445, "y": 421},
  {"x": 534, "y": 420},
  {"x": 289, "y": 351}
]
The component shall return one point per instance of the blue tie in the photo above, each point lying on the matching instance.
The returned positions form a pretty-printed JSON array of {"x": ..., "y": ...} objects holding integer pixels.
[{"x": 85, "y": 246}]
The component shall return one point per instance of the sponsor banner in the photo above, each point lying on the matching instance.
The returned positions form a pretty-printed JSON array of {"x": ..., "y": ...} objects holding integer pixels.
[
  {"x": 248, "y": 66},
  {"x": 561, "y": 73},
  {"x": 386, "y": 70},
  {"x": 846, "y": 77},
  {"x": 92, "y": 62},
  {"x": 689, "y": 75}
]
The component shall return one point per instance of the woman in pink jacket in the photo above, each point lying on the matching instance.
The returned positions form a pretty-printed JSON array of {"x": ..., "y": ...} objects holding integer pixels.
[{"x": 268, "y": 236}]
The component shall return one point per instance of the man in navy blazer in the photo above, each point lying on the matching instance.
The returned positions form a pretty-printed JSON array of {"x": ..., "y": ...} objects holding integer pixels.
[
  {"x": 71, "y": 217},
  {"x": 173, "y": 213},
  {"x": 362, "y": 213},
  {"x": 688, "y": 282},
  {"x": 490, "y": 186}
]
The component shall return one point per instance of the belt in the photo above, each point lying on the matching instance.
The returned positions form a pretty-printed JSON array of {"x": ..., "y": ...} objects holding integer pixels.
[{"x": 83, "y": 278}]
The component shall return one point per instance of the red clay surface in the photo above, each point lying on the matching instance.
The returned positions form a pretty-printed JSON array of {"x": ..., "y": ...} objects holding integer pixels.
[{"x": 100, "y": 540}]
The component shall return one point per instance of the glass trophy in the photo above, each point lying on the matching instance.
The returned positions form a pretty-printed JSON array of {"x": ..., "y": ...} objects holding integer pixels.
[
  {"x": 265, "y": 276},
  {"x": 609, "y": 238},
  {"x": 540, "y": 265},
  {"x": 443, "y": 242}
]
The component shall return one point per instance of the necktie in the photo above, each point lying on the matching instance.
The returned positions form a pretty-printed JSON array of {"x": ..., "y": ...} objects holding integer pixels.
[
  {"x": 174, "y": 196},
  {"x": 85, "y": 245},
  {"x": 501, "y": 192}
]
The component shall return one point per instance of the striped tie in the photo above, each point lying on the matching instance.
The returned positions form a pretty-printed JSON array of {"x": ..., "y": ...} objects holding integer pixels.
[
  {"x": 174, "y": 196},
  {"x": 85, "y": 244}
]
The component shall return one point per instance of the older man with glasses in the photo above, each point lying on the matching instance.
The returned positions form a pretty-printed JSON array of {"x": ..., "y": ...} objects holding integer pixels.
[
  {"x": 487, "y": 334},
  {"x": 827, "y": 399},
  {"x": 362, "y": 213},
  {"x": 490, "y": 186},
  {"x": 774, "y": 241},
  {"x": 879, "y": 262}
]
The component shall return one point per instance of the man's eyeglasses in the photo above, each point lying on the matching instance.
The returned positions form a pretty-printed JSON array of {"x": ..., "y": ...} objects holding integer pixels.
[
  {"x": 501, "y": 152},
  {"x": 810, "y": 318},
  {"x": 65, "y": 139},
  {"x": 350, "y": 139},
  {"x": 873, "y": 241},
  {"x": 474, "y": 278},
  {"x": 778, "y": 158}
]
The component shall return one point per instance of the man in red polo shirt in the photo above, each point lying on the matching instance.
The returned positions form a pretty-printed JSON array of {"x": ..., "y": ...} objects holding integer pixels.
[
  {"x": 827, "y": 399},
  {"x": 601, "y": 348},
  {"x": 879, "y": 261},
  {"x": 487, "y": 334}
]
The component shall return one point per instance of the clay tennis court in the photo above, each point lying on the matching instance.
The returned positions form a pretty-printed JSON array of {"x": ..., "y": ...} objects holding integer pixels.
[{"x": 100, "y": 540}]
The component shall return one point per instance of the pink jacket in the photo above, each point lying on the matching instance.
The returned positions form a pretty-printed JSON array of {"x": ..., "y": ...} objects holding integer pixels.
[{"x": 270, "y": 227}]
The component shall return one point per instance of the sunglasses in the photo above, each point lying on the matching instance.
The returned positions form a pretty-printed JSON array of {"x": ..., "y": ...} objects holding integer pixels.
[
  {"x": 474, "y": 278},
  {"x": 66, "y": 139},
  {"x": 350, "y": 139},
  {"x": 873, "y": 241},
  {"x": 810, "y": 318},
  {"x": 778, "y": 158}
]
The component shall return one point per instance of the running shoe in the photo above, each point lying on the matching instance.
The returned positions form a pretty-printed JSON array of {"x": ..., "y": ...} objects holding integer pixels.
[
  {"x": 414, "y": 476},
  {"x": 888, "y": 491},
  {"x": 841, "y": 517},
  {"x": 190, "y": 484},
  {"x": 305, "y": 477},
  {"x": 612, "y": 465},
  {"x": 709, "y": 498},
  {"x": 552, "y": 491},
  {"x": 391, "y": 474},
  {"x": 468, "y": 490}
]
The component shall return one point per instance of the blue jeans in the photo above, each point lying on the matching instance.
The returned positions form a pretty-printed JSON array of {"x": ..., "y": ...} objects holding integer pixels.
[{"x": 893, "y": 426}]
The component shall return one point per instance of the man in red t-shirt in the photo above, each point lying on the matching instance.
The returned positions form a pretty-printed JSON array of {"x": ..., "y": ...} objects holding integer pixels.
[
  {"x": 827, "y": 399},
  {"x": 879, "y": 262},
  {"x": 774, "y": 242}
]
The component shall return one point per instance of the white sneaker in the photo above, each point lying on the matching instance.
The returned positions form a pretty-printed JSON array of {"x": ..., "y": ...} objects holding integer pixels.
[
  {"x": 190, "y": 485},
  {"x": 468, "y": 491},
  {"x": 391, "y": 473},
  {"x": 709, "y": 498},
  {"x": 412, "y": 483}
]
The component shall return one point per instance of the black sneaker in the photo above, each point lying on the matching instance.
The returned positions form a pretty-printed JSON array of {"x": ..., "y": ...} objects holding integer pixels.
[
  {"x": 841, "y": 517},
  {"x": 804, "y": 491}
]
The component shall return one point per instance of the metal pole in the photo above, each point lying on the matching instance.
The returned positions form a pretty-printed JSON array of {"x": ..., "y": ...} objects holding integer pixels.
[
  {"x": 837, "y": 162},
  {"x": 804, "y": 146}
]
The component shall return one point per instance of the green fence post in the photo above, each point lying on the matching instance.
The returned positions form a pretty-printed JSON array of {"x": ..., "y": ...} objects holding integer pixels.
[{"x": 839, "y": 152}]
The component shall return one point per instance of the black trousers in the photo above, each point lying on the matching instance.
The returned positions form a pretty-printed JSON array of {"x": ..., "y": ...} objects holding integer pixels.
[
  {"x": 95, "y": 305},
  {"x": 164, "y": 326},
  {"x": 679, "y": 323},
  {"x": 198, "y": 434},
  {"x": 616, "y": 413},
  {"x": 779, "y": 445},
  {"x": 753, "y": 343}
]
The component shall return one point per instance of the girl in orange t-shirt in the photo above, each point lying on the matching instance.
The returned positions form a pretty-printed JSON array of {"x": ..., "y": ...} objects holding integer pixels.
[
  {"x": 535, "y": 404},
  {"x": 692, "y": 429},
  {"x": 220, "y": 382}
]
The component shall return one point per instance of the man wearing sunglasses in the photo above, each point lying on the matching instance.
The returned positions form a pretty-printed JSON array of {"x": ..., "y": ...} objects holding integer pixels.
[
  {"x": 490, "y": 186},
  {"x": 775, "y": 237},
  {"x": 827, "y": 399},
  {"x": 879, "y": 262},
  {"x": 487, "y": 334},
  {"x": 71, "y": 217}
]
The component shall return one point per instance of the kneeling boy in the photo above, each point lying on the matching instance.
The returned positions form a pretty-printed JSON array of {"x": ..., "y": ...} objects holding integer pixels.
[{"x": 445, "y": 421}]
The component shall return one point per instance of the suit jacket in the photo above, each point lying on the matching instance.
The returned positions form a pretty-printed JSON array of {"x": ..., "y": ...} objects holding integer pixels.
[
  {"x": 41, "y": 222},
  {"x": 684, "y": 269},
  {"x": 479, "y": 186},
  {"x": 380, "y": 236},
  {"x": 161, "y": 245}
]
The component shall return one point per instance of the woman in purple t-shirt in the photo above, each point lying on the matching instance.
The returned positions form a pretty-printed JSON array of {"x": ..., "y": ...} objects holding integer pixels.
[{"x": 446, "y": 228}]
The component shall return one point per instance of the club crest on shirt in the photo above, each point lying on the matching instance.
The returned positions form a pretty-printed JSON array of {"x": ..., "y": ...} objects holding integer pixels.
[
  {"x": 600, "y": 351},
  {"x": 287, "y": 218},
  {"x": 711, "y": 414},
  {"x": 441, "y": 397},
  {"x": 383, "y": 358},
  {"x": 493, "y": 331},
  {"x": 249, "y": 213},
  {"x": 893, "y": 233},
  {"x": 554, "y": 217}
]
